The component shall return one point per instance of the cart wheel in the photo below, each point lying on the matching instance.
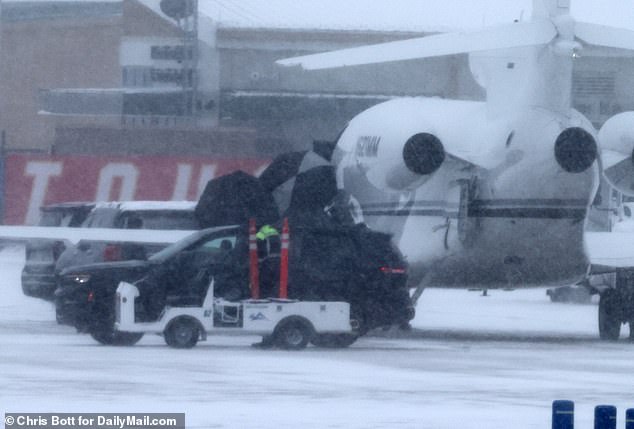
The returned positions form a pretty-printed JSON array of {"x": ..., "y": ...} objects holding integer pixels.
[
  {"x": 293, "y": 334},
  {"x": 182, "y": 333},
  {"x": 334, "y": 341}
]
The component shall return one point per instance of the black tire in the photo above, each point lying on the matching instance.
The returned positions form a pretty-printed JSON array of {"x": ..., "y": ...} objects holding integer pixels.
[
  {"x": 293, "y": 334},
  {"x": 334, "y": 341},
  {"x": 182, "y": 333},
  {"x": 110, "y": 337},
  {"x": 609, "y": 316}
]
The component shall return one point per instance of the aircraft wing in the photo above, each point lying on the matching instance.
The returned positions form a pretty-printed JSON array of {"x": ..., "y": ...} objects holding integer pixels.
[
  {"x": 603, "y": 35},
  {"x": 74, "y": 235},
  {"x": 613, "y": 249}
]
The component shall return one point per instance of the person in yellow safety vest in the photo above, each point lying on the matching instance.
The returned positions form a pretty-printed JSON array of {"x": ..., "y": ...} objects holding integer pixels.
[
  {"x": 268, "y": 241},
  {"x": 265, "y": 232},
  {"x": 269, "y": 247}
]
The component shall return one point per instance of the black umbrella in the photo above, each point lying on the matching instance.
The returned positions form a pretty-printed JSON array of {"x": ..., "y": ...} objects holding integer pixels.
[{"x": 234, "y": 199}]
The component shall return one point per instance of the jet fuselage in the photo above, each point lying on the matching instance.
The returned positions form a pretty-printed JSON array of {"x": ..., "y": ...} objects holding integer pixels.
[{"x": 500, "y": 211}]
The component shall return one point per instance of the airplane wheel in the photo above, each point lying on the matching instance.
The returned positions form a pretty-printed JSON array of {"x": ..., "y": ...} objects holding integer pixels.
[
  {"x": 182, "y": 333},
  {"x": 334, "y": 341},
  {"x": 293, "y": 334},
  {"x": 609, "y": 316}
]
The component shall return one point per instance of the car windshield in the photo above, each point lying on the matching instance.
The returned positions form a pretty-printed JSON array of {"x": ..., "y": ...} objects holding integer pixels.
[{"x": 183, "y": 244}]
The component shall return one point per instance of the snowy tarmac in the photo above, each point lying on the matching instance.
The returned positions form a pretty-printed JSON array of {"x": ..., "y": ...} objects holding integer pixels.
[{"x": 471, "y": 362}]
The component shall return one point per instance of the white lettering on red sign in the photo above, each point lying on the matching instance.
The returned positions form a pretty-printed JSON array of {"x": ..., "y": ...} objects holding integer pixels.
[
  {"x": 183, "y": 178},
  {"x": 207, "y": 172},
  {"x": 42, "y": 171},
  {"x": 35, "y": 180}
]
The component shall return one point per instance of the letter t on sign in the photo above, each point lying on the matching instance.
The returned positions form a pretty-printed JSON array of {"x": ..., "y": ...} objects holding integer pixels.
[{"x": 42, "y": 171}]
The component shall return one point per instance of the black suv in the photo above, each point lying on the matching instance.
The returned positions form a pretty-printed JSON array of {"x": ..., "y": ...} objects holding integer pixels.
[
  {"x": 38, "y": 274},
  {"x": 354, "y": 265},
  {"x": 163, "y": 215}
]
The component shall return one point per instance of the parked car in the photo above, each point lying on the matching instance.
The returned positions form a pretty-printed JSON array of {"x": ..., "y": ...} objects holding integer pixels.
[
  {"x": 163, "y": 215},
  {"x": 38, "y": 274},
  {"x": 371, "y": 277},
  {"x": 599, "y": 279}
]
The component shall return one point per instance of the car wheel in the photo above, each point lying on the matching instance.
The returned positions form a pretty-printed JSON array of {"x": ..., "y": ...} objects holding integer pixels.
[
  {"x": 116, "y": 338},
  {"x": 334, "y": 341},
  {"x": 182, "y": 333},
  {"x": 609, "y": 316},
  {"x": 294, "y": 334}
]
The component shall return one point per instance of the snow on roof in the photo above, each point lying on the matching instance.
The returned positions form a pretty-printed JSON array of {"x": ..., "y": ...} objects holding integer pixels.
[
  {"x": 148, "y": 205},
  {"x": 320, "y": 95},
  {"x": 123, "y": 90}
]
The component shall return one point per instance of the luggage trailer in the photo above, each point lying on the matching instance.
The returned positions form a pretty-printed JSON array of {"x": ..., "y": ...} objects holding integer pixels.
[{"x": 289, "y": 324}]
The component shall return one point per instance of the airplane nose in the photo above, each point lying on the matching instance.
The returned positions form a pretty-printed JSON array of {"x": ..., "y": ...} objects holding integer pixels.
[{"x": 575, "y": 150}]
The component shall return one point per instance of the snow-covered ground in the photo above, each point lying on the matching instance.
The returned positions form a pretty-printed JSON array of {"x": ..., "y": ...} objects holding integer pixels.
[{"x": 471, "y": 361}]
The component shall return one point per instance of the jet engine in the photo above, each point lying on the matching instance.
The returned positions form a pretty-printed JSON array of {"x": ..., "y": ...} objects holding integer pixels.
[
  {"x": 420, "y": 137},
  {"x": 575, "y": 150},
  {"x": 423, "y": 153},
  {"x": 616, "y": 139},
  {"x": 399, "y": 162}
]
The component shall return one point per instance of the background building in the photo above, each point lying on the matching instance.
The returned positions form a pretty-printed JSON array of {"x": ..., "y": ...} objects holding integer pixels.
[{"x": 107, "y": 77}]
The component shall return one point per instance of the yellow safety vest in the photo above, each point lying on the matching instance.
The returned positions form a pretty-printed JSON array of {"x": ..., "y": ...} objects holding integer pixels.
[{"x": 266, "y": 231}]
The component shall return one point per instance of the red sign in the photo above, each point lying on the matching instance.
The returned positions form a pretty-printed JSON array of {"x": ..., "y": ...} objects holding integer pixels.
[{"x": 32, "y": 181}]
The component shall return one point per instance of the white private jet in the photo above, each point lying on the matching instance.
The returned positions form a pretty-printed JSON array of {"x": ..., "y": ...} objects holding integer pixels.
[{"x": 491, "y": 194}]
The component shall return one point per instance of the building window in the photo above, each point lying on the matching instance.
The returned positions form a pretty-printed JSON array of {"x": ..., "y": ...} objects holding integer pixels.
[{"x": 137, "y": 76}]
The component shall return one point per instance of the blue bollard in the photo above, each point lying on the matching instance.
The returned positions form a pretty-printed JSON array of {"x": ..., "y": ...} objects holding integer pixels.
[
  {"x": 629, "y": 419},
  {"x": 605, "y": 417},
  {"x": 563, "y": 414}
]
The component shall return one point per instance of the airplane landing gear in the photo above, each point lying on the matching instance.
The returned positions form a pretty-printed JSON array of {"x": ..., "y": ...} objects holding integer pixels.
[
  {"x": 616, "y": 307},
  {"x": 610, "y": 315}
]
